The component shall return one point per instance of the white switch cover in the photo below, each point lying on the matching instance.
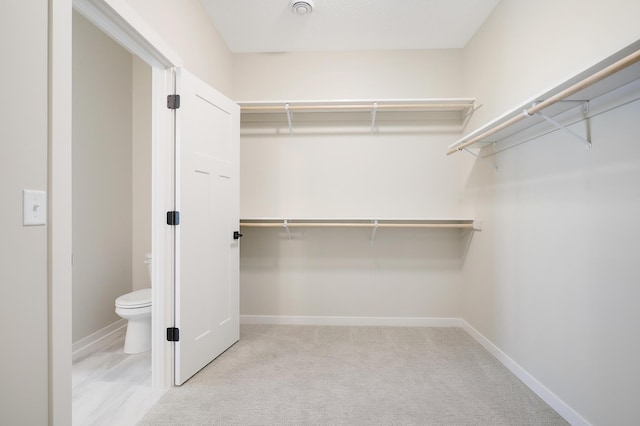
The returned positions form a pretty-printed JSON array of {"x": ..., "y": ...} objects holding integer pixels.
[{"x": 34, "y": 207}]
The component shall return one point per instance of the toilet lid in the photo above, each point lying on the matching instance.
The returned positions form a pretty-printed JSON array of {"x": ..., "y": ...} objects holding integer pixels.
[{"x": 136, "y": 299}]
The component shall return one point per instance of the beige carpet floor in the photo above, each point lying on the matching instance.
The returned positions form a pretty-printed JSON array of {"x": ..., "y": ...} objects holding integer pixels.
[{"x": 308, "y": 375}]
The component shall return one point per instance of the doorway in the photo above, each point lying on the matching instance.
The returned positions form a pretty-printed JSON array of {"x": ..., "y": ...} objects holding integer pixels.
[
  {"x": 122, "y": 27},
  {"x": 111, "y": 221},
  {"x": 111, "y": 177},
  {"x": 122, "y": 24}
]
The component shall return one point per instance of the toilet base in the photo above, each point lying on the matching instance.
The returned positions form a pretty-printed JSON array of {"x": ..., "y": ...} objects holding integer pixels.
[{"x": 138, "y": 337}]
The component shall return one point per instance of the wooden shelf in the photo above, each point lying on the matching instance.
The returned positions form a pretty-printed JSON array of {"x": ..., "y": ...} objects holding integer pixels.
[
  {"x": 562, "y": 103},
  {"x": 373, "y": 224},
  {"x": 293, "y": 117}
]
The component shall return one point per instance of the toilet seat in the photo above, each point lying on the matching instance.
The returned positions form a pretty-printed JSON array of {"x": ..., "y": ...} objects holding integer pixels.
[{"x": 135, "y": 299}]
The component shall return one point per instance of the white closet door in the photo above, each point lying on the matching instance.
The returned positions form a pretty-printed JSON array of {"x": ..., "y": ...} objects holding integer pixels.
[{"x": 207, "y": 255}]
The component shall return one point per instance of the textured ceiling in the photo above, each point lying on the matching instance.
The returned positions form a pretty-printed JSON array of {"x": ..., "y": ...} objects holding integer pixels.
[{"x": 340, "y": 25}]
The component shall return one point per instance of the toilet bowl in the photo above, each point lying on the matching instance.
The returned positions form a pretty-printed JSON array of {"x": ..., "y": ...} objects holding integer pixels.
[{"x": 135, "y": 307}]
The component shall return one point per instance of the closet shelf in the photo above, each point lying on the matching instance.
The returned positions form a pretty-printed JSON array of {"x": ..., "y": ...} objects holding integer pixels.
[
  {"x": 373, "y": 224},
  {"x": 453, "y": 113},
  {"x": 572, "y": 96}
]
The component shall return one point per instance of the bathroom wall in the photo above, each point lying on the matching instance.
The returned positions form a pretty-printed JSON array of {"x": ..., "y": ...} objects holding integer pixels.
[
  {"x": 112, "y": 176},
  {"x": 102, "y": 189},
  {"x": 552, "y": 279},
  {"x": 141, "y": 173},
  {"x": 331, "y": 174}
]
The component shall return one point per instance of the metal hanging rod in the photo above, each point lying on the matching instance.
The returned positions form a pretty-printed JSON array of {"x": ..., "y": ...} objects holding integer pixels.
[{"x": 572, "y": 90}]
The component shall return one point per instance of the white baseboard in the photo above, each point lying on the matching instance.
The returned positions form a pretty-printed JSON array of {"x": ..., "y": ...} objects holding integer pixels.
[
  {"x": 531, "y": 382},
  {"x": 350, "y": 321},
  {"x": 89, "y": 344},
  {"x": 568, "y": 413}
]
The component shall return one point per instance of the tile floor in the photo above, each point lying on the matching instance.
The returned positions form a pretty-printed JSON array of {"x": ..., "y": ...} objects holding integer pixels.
[{"x": 112, "y": 388}]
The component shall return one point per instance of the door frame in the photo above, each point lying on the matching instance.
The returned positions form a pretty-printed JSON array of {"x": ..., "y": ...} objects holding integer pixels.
[{"x": 122, "y": 23}]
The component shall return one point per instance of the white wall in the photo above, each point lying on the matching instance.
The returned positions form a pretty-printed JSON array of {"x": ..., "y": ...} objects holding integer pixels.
[
  {"x": 525, "y": 47},
  {"x": 141, "y": 173},
  {"x": 337, "y": 175},
  {"x": 551, "y": 279},
  {"x": 348, "y": 75},
  {"x": 339, "y": 273},
  {"x": 102, "y": 177},
  {"x": 23, "y": 250},
  {"x": 186, "y": 28}
]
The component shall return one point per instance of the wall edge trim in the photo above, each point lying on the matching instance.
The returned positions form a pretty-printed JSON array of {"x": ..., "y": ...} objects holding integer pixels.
[
  {"x": 88, "y": 344},
  {"x": 562, "y": 408}
]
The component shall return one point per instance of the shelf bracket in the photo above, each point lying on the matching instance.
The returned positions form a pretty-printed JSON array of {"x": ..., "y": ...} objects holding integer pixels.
[
  {"x": 472, "y": 153},
  {"x": 468, "y": 116},
  {"x": 585, "y": 107},
  {"x": 562, "y": 127},
  {"x": 286, "y": 108},
  {"x": 373, "y": 116},
  {"x": 373, "y": 231},
  {"x": 286, "y": 227},
  {"x": 479, "y": 157}
]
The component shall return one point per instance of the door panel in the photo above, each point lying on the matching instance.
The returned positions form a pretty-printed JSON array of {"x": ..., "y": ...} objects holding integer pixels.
[{"x": 207, "y": 287}]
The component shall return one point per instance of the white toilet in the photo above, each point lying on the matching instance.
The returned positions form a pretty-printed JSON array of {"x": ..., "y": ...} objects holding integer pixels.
[{"x": 135, "y": 307}]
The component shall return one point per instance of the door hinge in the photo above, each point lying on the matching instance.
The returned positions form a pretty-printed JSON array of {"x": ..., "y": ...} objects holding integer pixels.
[
  {"x": 173, "y": 218},
  {"x": 173, "y": 334},
  {"x": 173, "y": 101}
]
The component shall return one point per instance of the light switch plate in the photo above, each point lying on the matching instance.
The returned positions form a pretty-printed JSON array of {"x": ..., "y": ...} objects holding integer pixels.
[{"x": 34, "y": 207}]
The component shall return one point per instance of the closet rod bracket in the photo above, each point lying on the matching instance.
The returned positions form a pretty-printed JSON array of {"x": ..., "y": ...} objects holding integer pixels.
[
  {"x": 286, "y": 108},
  {"x": 285, "y": 224},
  {"x": 373, "y": 116},
  {"x": 468, "y": 116},
  {"x": 373, "y": 231},
  {"x": 479, "y": 157},
  {"x": 560, "y": 126}
]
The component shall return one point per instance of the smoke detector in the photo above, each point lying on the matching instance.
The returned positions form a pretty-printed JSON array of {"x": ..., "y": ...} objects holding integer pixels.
[{"x": 303, "y": 7}]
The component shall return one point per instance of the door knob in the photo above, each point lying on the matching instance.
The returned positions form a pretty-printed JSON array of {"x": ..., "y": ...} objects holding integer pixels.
[{"x": 237, "y": 235}]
